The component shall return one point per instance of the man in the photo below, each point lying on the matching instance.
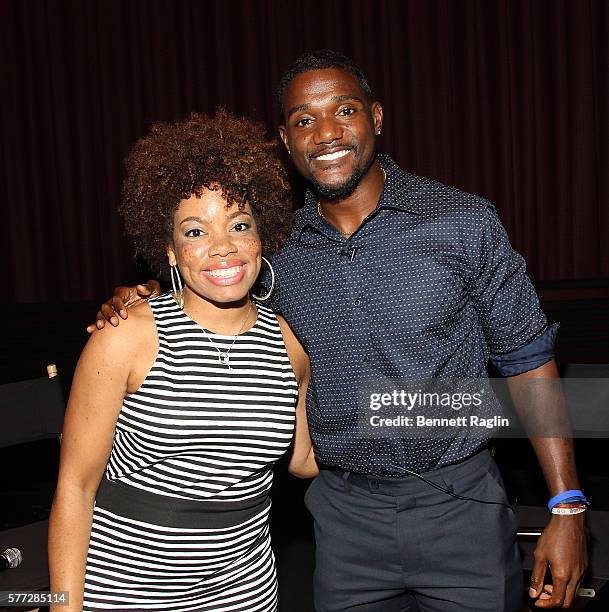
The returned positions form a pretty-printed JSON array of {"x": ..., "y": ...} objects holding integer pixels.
[{"x": 387, "y": 275}]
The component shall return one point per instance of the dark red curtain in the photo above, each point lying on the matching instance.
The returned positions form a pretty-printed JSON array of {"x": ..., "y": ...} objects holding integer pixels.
[{"x": 507, "y": 99}]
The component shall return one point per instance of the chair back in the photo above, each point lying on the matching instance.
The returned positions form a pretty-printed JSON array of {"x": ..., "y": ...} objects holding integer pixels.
[{"x": 31, "y": 410}]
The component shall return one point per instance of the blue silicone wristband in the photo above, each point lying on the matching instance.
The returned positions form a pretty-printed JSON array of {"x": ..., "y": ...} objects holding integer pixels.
[{"x": 571, "y": 495}]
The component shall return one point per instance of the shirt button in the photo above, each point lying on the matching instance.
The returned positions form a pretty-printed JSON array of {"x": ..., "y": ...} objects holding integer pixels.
[
  {"x": 374, "y": 484},
  {"x": 356, "y": 302}
]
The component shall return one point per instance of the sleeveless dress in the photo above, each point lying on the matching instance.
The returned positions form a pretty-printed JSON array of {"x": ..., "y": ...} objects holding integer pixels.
[{"x": 181, "y": 517}]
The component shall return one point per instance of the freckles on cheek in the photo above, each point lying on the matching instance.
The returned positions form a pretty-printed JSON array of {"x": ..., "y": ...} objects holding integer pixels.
[
  {"x": 190, "y": 254},
  {"x": 252, "y": 246}
]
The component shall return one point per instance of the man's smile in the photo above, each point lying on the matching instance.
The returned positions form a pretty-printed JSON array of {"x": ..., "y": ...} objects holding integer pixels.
[{"x": 332, "y": 156}]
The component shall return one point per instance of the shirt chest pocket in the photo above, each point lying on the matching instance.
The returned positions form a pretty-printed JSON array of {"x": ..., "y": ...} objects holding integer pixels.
[{"x": 425, "y": 293}]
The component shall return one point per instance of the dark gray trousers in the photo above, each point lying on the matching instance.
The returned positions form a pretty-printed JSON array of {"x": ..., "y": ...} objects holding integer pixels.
[{"x": 396, "y": 545}]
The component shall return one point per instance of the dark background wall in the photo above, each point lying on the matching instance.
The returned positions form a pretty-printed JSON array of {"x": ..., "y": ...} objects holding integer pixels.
[{"x": 504, "y": 98}]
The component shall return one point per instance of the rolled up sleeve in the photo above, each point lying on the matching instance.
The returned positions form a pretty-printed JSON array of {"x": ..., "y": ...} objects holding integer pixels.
[{"x": 515, "y": 328}]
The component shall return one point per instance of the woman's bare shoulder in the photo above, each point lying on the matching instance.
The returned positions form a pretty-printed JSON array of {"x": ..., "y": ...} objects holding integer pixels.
[{"x": 139, "y": 327}]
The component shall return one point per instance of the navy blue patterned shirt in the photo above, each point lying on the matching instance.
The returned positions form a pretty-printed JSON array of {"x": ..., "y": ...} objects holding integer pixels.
[{"x": 428, "y": 286}]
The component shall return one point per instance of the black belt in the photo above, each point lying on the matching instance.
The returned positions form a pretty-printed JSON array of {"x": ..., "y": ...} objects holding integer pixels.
[
  {"x": 163, "y": 510},
  {"x": 395, "y": 484}
]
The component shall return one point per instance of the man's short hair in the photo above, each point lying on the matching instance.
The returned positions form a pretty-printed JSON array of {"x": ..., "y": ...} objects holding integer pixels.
[{"x": 320, "y": 60}]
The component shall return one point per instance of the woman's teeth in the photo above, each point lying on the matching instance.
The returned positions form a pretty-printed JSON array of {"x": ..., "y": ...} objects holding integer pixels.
[{"x": 225, "y": 272}]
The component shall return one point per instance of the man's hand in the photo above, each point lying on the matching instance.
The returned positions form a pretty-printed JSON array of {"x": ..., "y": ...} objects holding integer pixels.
[
  {"x": 562, "y": 548},
  {"x": 123, "y": 298}
]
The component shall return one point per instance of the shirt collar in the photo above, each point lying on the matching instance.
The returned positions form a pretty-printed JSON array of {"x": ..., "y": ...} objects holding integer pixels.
[{"x": 398, "y": 193}]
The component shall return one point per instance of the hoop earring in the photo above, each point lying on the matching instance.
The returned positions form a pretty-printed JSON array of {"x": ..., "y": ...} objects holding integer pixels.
[
  {"x": 262, "y": 298},
  {"x": 176, "y": 283}
]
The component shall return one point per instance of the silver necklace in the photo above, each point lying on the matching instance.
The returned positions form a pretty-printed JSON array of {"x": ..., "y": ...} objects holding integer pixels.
[{"x": 223, "y": 356}]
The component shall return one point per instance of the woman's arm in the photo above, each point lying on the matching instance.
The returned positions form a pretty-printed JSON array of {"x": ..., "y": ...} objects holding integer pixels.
[
  {"x": 302, "y": 461},
  {"x": 107, "y": 369}
]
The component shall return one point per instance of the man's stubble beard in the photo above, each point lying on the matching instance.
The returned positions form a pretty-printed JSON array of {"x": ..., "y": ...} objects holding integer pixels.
[{"x": 346, "y": 189}]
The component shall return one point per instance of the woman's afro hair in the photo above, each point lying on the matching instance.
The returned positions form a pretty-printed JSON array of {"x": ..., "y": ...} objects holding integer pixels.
[{"x": 176, "y": 160}]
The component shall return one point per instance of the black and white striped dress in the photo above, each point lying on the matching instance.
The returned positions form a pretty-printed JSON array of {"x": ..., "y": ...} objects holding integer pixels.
[{"x": 181, "y": 517}]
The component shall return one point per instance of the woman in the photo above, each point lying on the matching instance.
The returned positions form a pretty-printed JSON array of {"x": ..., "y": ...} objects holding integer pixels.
[{"x": 176, "y": 417}]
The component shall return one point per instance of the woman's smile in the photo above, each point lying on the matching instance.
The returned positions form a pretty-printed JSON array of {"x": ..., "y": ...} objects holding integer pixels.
[{"x": 226, "y": 273}]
